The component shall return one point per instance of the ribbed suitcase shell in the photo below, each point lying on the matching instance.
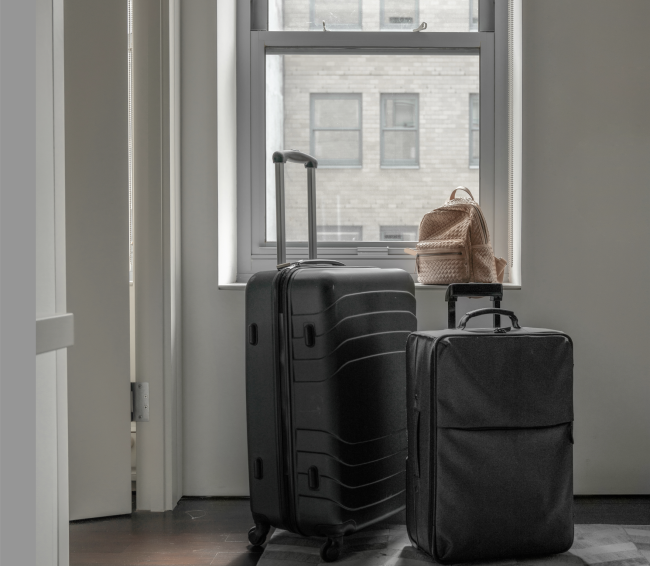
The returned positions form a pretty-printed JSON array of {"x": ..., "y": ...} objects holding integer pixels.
[
  {"x": 490, "y": 417},
  {"x": 326, "y": 396}
]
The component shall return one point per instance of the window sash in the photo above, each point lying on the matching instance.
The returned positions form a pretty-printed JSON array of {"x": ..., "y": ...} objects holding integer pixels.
[
  {"x": 253, "y": 253},
  {"x": 400, "y": 163},
  {"x": 332, "y": 163}
]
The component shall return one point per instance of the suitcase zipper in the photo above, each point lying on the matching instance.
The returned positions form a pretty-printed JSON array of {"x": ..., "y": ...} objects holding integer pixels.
[{"x": 285, "y": 400}]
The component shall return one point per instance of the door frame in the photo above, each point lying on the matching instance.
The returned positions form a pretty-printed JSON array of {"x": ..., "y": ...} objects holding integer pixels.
[{"x": 157, "y": 278}]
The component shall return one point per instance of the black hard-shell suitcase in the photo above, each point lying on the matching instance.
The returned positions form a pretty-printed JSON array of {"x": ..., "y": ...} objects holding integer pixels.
[
  {"x": 325, "y": 390},
  {"x": 490, "y": 419}
]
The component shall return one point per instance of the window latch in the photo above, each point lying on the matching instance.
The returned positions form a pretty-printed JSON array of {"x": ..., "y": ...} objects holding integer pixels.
[{"x": 421, "y": 27}]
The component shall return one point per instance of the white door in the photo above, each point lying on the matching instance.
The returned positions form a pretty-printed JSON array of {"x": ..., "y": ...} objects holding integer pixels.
[{"x": 97, "y": 245}]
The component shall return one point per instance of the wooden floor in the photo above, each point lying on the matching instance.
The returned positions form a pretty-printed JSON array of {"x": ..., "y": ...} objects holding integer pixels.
[{"x": 213, "y": 531}]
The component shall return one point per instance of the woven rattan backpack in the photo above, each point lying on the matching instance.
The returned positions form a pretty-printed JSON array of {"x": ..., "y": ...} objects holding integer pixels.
[{"x": 454, "y": 245}]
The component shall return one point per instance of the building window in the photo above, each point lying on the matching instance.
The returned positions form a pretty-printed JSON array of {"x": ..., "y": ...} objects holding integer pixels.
[
  {"x": 339, "y": 233},
  {"x": 399, "y": 130},
  {"x": 338, "y": 15},
  {"x": 474, "y": 130},
  {"x": 399, "y": 15},
  {"x": 398, "y": 233},
  {"x": 473, "y": 15},
  {"x": 335, "y": 123}
]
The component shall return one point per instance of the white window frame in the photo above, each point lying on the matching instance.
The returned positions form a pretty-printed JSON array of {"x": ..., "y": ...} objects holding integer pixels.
[
  {"x": 395, "y": 163},
  {"x": 253, "y": 252},
  {"x": 335, "y": 163}
]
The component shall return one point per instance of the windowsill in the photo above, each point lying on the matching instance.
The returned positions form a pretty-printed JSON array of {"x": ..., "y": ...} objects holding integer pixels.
[{"x": 418, "y": 287}]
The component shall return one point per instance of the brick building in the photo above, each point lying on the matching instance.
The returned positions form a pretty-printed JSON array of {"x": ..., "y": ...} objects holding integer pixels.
[{"x": 394, "y": 134}]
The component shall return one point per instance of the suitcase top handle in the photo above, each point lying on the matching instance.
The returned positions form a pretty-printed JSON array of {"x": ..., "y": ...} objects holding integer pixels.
[
  {"x": 279, "y": 159},
  {"x": 479, "y": 312},
  {"x": 295, "y": 156}
]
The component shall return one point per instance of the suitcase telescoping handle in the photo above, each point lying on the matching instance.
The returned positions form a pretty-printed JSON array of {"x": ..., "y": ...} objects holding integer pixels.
[
  {"x": 280, "y": 158},
  {"x": 455, "y": 290},
  {"x": 479, "y": 312}
]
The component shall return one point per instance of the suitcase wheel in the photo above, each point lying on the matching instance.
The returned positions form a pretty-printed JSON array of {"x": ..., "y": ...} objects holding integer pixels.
[
  {"x": 331, "y": 549},
  {"x": 257, "y": 534}
]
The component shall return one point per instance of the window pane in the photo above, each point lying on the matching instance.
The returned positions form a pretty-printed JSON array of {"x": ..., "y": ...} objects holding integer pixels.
[
  {"x": 400, "y": 147},
  {"x": 398, "y": 233},
  {"x": 473, "y": 15},
  {"x": 339, "y": 233},
  {"x": 336, "y": 147},
  {"x": 332, "y": 111},
  {"x": 475, "y": 106},
  {"x": 399, "y": 14},
  {"x": 387, "y": 15},
  {"x": 399, "y": 112},
  {"x": 337, "y": 14},
  {"x": 374, "y": 194}
]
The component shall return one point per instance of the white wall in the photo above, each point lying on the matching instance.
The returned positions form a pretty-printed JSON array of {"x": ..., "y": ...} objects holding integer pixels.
[
  {"x": 214, "y": 417},
  {"x": 97, "y": 212},
  {"x": 586, "y": 148}
]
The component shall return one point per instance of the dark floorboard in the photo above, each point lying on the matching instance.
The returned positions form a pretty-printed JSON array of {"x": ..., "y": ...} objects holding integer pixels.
[{"x": 213, "y": 531}]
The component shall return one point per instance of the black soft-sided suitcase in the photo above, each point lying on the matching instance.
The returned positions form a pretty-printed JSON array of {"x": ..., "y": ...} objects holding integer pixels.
[
  {"x": 325, "y": 390},
  {"x": 490, "y": 417}
]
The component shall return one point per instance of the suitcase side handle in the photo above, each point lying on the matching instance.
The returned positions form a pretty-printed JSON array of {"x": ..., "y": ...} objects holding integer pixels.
[
  {"x": 280, "y": 158},
  {"x": 479, "y": 312}
]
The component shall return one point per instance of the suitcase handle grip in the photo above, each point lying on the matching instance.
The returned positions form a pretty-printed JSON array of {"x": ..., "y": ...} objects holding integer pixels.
[
  {"x": 455, "y": 290},
  {"x": 295, "y": 156},
  {"x": 479, "y": 312}
]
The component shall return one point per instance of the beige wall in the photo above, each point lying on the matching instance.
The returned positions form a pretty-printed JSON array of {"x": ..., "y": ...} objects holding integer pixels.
[{"x": 586, "y": 143}]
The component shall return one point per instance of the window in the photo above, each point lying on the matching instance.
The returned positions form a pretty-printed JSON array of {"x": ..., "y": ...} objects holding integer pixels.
[
  {"x": 336, "y": 129},
  {"x": 392, "y": 117},
  {"x": 398, "y": 233},
  {"x": 399, "y": 130},
  {"x": 399, "y": 15},
  {"x": 473, "y": 15},
  {"x": 338, "y": 15},
  {"x": 339, "y": 233},
  {"x": 474, "y": 130}
]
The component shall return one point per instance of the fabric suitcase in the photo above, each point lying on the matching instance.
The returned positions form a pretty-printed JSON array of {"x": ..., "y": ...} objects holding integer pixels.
[
  {"x": 490, "y": 419},
  {"x": 325, "y": 390}
]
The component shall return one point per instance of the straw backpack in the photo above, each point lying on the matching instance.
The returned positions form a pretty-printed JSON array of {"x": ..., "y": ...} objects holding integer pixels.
[{"x": 454, "y": 245}]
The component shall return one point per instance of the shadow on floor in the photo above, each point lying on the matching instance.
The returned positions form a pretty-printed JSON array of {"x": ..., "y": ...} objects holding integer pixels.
[{"x": 213, "y": 531}]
